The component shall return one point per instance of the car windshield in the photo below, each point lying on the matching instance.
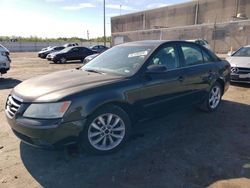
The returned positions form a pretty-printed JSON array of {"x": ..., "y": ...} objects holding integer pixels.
[
  {"x": 243, "y": 52},
  {"x": 65, "y": 50},
  {"x": 119, "y": 60}
]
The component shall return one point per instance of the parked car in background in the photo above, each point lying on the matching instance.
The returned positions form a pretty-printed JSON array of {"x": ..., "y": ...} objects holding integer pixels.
[
  {"x": 240, "y": 65},
  {"x": 43, "y": 49},
  {"x": 43, "y": 54},
  {"x": 98, "y": 104},
  {"x": 99, "y": 48},
  {"x": 4, "y": 60},
  {"x": 70, "y": 45},
  {"x": 202, "y": 42},
  {"x": 89, "y": 58},
  {"x": 71, "y": 53}
]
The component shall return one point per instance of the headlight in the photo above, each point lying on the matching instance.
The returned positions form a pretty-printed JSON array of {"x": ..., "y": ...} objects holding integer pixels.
[{"x": 47, "y": 110}]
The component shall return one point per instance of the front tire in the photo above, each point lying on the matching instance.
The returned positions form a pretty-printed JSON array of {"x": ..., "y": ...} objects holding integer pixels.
[
  {"x": 213, "y": 99},
  {"x": 106, "y": 130},
  {"x": 62, "y": 60}
]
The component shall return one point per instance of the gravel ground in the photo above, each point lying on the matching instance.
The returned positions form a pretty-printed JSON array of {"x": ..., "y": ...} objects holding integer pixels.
[{"x": 188, "y": 149}]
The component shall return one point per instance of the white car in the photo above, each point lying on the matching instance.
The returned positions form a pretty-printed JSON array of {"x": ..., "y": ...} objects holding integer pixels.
[
  {"x": 4, "y": 60},
  {"x": 240, "y": 65},
  {"x": 202, "y": 42}
]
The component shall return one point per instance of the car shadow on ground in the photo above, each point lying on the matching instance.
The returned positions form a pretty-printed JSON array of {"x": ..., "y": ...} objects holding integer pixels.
[
  {"x": 68, "y": 62},
  {"x": 183, "y": 149},
  {"x": 8, "y": 83},
  {"x": 245, "y": 85}
]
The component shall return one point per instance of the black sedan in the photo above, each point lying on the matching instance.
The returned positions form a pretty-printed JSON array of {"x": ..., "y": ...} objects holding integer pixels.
[
  {"x": 98, "y": 104},
  {"x": 99, "y": 48},
  {"x": 71, "y": 53},
  {"x": 43, "y": 53}
]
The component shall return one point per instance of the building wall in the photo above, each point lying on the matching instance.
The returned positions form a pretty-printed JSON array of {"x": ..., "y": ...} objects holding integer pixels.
[
  {"x": 222, "y": 36},
  {"x": 213, "y": 20},
  {"x": 194, "y": 12}
]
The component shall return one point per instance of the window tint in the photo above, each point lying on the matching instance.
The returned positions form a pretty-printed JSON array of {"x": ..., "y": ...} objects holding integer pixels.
[
  {"x": 192, "y": 55},
  {"x": 201, "y": 43},
  {"x": 243, "y": 52},
  {"x": 206, "y": 57},
  {"x": 75, "y": 49},
  {"x": 166, "y": 56}
]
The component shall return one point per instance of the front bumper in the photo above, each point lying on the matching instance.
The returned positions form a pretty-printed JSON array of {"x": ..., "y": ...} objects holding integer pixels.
[
  {"x": 47, "y": 134},
  {"x": 240, "y": 78},
  {"x": 4, "y": 70}
]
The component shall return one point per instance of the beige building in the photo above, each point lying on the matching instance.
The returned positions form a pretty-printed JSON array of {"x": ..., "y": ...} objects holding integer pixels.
[{"x": 224, "y": 23}]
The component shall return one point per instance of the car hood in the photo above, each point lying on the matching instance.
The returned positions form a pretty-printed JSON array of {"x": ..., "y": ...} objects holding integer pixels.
[
  {"x": 55, "y": 86},
  {"x": 239, "y": 61},
  {"x": 54, "y": 53}
]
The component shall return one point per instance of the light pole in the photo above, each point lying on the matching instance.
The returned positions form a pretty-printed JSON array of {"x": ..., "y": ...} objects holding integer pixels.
[{"x": 104, "y": 21}]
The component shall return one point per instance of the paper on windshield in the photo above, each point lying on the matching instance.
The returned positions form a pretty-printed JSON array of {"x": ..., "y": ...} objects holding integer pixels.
[{"x": 138, "y": 54}]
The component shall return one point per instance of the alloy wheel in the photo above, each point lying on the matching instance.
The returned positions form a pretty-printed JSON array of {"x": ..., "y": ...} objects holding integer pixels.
[
  {"x": 214, "y": 97},
  {"x": 106, "y": 131}
]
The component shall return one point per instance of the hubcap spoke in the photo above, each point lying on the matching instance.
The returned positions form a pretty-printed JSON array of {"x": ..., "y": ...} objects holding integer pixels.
[
  {"x": 94, "y": 134},
  {"x": 116, "y": 122},
  {"x": 110, "y": 116},
  {"x": 118, "y": 129},
  {"x": 98, "y": 140},
  {"x": 96, "y": 126},
  {"x": 117, "y": 136},
  {"x": 111, "y": 139},
  {"x": 101, "y": 120},
  {"x": 104, "y": 141}
]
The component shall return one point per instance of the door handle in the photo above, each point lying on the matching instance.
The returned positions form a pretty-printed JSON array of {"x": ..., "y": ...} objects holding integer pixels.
[{"x": 181, "y": 78}]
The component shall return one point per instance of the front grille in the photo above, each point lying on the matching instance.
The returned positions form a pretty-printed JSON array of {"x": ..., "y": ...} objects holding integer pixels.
[
  {"x": 12, "y": 106},
  {"x": 240, "y": 70}
]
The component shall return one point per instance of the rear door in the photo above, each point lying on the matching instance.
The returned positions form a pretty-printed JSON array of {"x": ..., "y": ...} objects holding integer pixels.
[{"x": 198, "y": 72}]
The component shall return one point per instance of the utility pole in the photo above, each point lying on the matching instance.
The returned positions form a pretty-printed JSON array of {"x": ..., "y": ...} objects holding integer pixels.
[
  {"x": 214, "y": 32},
  {"x": 88, "y": 35},
  {"x": 104, "y": 21}
]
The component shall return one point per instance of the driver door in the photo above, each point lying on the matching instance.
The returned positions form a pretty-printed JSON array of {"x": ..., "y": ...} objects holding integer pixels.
[{"x": 163, "y": 91}]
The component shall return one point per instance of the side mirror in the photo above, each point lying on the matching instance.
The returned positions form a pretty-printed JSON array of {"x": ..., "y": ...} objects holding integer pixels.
[{"x": 154, "y": 69}]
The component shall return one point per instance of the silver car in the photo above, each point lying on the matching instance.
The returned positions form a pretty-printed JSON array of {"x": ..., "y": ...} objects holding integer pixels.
[
  {"x": 4, "y": 60},
  {"x": 240, "y": 65}
]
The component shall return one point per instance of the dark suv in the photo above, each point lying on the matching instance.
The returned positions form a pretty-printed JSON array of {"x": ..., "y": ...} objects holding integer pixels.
[{"x": 98, "y": 104}]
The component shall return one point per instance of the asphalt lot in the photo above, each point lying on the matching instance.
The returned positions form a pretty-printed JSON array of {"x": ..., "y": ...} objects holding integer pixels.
[{"x": 188, "y": 149}]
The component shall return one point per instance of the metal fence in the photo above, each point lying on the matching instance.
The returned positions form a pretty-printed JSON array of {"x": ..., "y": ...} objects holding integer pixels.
[{"x": 37, "y": 46}]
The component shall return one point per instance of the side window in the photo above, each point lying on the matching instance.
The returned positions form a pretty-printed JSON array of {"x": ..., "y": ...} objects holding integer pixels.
[
  {"x": 75, "y": 49},
  {"x": 166, "y": 56},
  {"x": 207, "y": 58},
  {"x": 192, "y": 55}
]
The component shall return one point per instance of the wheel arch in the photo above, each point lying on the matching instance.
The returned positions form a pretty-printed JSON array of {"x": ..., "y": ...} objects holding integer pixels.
[
  {"x": 128, "y": 108},
  {"x": 222, "y": 83}
]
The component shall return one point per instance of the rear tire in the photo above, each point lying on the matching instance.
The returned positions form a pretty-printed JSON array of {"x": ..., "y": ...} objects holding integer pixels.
[
  {"x": 106, "y": 131},
  {"x": 213, "y": 99}
]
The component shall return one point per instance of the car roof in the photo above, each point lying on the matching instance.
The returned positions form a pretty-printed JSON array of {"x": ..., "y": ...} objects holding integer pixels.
[{"x": 154, "y": 43}]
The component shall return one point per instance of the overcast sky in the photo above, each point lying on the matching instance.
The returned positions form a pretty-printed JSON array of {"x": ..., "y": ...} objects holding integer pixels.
[{"x": 66, "y": 18}]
